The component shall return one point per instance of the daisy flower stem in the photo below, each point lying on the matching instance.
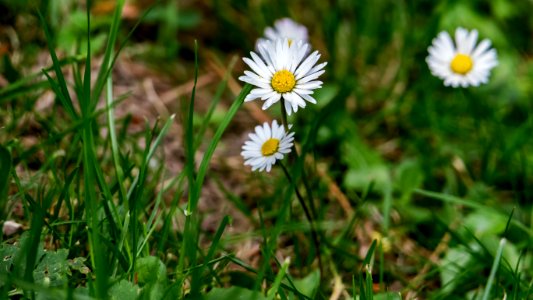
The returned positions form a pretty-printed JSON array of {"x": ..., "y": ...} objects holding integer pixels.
[
  {"x": 314, "y": 233},
  {"x": 304, "y": 176},
  {"x": 284, "y": 116}
]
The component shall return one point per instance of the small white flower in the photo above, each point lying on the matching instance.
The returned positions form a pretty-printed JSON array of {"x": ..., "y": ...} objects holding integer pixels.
[
  {"x": 286, "y": 29},
  {"x": 266, "y": 145},
  {"x": 10, "y": 227},
  {"x": 283, "y": 70},
  {"x": 461, "y": 64}
]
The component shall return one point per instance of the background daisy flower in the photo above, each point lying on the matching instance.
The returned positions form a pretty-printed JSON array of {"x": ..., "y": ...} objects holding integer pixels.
[
  {"x": 266, "y": 145},
  {"x": 283, "y": 70},
  {"x": 461, "y": 64},
  {"x": 287, "y": 29}
]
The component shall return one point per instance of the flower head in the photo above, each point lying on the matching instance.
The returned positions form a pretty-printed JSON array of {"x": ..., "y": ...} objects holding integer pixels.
[
  {"x": 283, "y": 70},
  {"x": 463, "y": 63},
  {"x": 286, "y": 29},
  {"x": 266, "y": 145}
]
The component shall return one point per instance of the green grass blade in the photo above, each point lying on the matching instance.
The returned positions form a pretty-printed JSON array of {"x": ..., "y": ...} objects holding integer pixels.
[
  {"x": 214, "y": 102},
  {"x": 57, "y": 90},
  {"x": 33, "y": 81},
  {"x": 85, "y": 100},
  {"x": 115, "y": 151},
  {"x": 90, "y": 164},
  {"x": 270, "y": 245},
  {"x": 107, "y": 63},
  {"x": 97, "y": 89},
  {"x": 189, "y": 140},
  {"x": 214, "y": 243},
  {"x": 495, "y": 264},
  {"x": 62, "y": 84},
  {"x": 122, "y": 241},
  {"x": 5, "y": 169},
  {"x": 189, "y": 247},
  {"x": 370, "y": 253},
  {"x": 154, "y": 218},
  {"x": 467, "y": 203},
  {"x": 508, "y": 222},
  {"x": 8, "y": 94},
  {"x": 277, "y": 282},
  {"x": 167, "y": 224},
  {"x": 95, "y": 245},
  {"x": 369, "y": 290},
  {"x": 32, "y": 244},
  {"x": 155, "y": 209},
  {"x": 137, "y": 187},
  {"x": 204, "y": 165},
  {"x": 190, "y": 233}
]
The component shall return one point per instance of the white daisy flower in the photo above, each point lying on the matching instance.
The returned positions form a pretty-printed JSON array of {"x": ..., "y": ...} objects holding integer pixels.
[
  {"x": 287, "y": 29},
  {"x": 266, "y": 145},
  {"x": 283, "y": 70},
  {"x": 461, "y": 64}
]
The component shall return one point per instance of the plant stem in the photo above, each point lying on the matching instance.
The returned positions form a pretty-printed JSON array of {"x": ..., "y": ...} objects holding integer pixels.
[
  {"x": 304, "y": 176},
  {"x": 314, "y": 234},
  {"x": 284, "y": 116}
]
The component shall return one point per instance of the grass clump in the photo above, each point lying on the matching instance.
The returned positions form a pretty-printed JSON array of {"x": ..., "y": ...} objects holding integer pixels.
[{"x": 122, "y": 125}]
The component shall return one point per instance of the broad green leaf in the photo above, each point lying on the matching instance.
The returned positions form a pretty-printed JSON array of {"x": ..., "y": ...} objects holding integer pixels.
[
  {"x": 233, "y": 293},
  {"x": 485, "y": 221},
  {"x": 360, "y": 179},
  {"x": 123, "y": 290},
  {"x": 7, "y": 255},
  {"x": 326, "y": 94},
  {"x": 152, "y": 277},
  {"x": 453, "y": 263},
  {"x": 150, "y": 270},
  {"x": 309, "y": 284},
  {"x": 53, "y": 269},
  {"x": 365, "y": 165},
  {"x": 409, "y": 176},
  {"x": 19, "y": 261},
  {"x": 388, "y": 296}
]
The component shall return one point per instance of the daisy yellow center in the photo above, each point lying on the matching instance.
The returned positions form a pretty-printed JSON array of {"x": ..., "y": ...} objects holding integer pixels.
[
  {"x": 283, "y": 81},
  {"x": 461, "y": 64},
  {"x": 270, "y": 147}
]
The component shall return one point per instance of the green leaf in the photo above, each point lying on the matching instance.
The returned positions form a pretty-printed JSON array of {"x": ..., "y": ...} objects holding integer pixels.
[
  {"x": 455, "y": 260},
  {"x": 485, "y": 221},
  {"x": 20, "y": 260},
  {"x": 150, "y": 270},
  {"x": 409, "y": 176},
  {"x": 360, "y": 179},
  {"x": 152, "y": 277},
  {"x": 53, "y": 269},
  {"x": 7, "y": 255},
  {"x": 309, "y": 284},
  {"x": 365, "y": 165},
  {"x": 388, "y": 296},
  {"x": 123, "y": 290},
  {"x": 233, "y": 293},
  {"x": 78, "y": 264},
  {"x": 326, "y": 94}
]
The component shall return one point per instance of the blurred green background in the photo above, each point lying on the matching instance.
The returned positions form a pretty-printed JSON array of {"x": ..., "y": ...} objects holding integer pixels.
[{"x": 385, "y": 131}]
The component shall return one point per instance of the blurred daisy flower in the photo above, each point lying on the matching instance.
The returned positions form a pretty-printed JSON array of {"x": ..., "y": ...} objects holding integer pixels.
[
  {"x": 463, "y": 63},
  {"x": 283, "y": 70},
  {"x": 266, "y": 145},
  {"x": 286, "y": 29}
]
